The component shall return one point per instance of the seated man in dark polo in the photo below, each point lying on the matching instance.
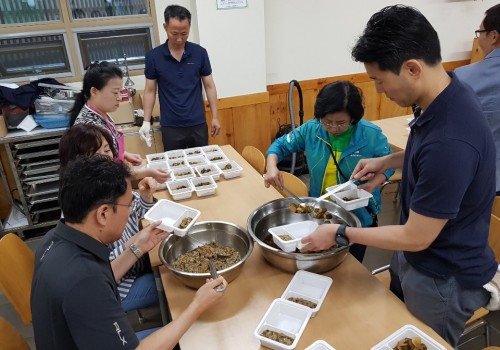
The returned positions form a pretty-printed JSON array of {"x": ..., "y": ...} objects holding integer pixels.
[{"x": 74, "y": 299}]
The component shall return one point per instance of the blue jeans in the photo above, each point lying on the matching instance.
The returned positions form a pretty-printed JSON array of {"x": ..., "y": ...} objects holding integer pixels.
[
  {"x": 142, "y": 294},
  {"x": 442, "y": 304}
]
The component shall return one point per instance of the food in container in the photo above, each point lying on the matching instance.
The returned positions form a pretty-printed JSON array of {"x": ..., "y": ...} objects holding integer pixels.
[
  {"x": 196, "y": 260},
  {"x": 216, "y": 157},
  {"x": 229, "y": 169},
  {"x": 174, "y": 217},
  {"x": 156, "y": 157},
  {"x": 180, "y": 189},
  {"x": 411, "y": 332},
  {"x": 288, "y": 237},
  {"x": 352, "y": 199},
  {"x": 308, "y": 289},
  {"x": 195, "y": 151},
  {"x": 183, "y": 173},
  {"x": 204, "y": 186},
  {"x": 211, "y": 149},
  {"x": 208, "y": 170},
  {"x": 285, "y": 320},
  {"x": 197, "y": 160},
  {"x": 176, "y": 154}
]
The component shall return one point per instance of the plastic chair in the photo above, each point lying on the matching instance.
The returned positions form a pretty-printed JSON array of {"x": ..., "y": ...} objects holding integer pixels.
[
  {"x": 10, "y": 339},
  {"x": 255, "y": 157},
  {"x": 394, "y": 179},
  {"x": 17, "y": 263},
  {"x": 294, "y": 184}
]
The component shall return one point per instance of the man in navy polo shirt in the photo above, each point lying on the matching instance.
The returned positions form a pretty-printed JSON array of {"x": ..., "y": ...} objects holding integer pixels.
[
  {"x": 74, "y": 298},
  {"x": 176, "y": 71},
  {"x": 442, "y": 258}
]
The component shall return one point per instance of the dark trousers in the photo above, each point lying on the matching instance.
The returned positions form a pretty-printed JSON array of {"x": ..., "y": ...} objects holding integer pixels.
[{"x": 180, "y": 138}]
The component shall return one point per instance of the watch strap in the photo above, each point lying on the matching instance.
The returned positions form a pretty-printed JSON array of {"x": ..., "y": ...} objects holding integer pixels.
[{"x": 136, "y": 251}]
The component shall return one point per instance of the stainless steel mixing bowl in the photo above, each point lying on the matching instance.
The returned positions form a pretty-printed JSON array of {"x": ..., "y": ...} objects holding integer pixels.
[
  {"x": 276, "y": 213},
  {"x": 223, "y": 233}
]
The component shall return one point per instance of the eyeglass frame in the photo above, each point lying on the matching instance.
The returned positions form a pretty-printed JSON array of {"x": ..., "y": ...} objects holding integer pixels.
[
  {"x": 131, "y": 207},
  {"x": 479, "y": 31},
  {"x": 328, "y": 125}
]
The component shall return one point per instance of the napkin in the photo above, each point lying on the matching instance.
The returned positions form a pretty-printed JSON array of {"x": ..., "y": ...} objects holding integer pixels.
[{"x": 494, "y": 288}]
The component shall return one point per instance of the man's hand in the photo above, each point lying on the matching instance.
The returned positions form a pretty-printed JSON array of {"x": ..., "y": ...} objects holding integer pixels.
[
  {"x": 147, "y": 188},
  {"x": 215, "y": 127},
  {"x": 321, "y": 239},
  {"x": 144, "y": 132},
  {"x": 149, "y": 237}
]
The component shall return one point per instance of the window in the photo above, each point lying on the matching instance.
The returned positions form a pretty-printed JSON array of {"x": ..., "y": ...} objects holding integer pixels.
[{"x": 58, "y": 38}]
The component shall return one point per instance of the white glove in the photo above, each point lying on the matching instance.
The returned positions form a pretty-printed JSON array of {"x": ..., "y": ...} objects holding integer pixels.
[{"x": 144, "y": 133}]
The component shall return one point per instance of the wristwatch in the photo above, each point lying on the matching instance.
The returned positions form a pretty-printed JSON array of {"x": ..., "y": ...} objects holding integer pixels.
[
  {"x": 136, "y": 251},
  {"x": 340, "y": 236}
]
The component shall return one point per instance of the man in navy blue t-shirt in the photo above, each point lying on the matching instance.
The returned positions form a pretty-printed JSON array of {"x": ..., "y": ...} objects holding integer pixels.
[
  {"x": 176, "y": 71},
  {"x": 442, "y": 257}
]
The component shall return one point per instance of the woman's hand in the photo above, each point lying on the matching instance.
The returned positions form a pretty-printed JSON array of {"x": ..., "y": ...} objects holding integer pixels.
[
  {"x": 272, "y": 177},
  {"x": 160, "y": 175},
  {"x": 132, "y": 158},
  {"x": 147, "y": 188}
]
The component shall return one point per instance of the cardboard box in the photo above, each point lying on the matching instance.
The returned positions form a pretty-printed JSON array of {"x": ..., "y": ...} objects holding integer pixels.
[{"x": 124, "y": 114}]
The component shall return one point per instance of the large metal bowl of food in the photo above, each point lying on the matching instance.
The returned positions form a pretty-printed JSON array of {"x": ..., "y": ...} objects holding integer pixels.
[
  {"x": 276, "y": 213},
  {"x": 227, "y": 245}
]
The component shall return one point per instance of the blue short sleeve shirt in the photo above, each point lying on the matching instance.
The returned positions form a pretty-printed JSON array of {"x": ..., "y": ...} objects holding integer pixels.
[{"x": 179, "y": 84}]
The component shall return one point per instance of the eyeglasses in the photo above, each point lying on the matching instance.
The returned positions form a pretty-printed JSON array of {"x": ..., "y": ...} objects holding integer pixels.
[
  {"x": 339, "y": 126},
  {"x": 479, "y": 31},
  {"x": 131, "y": 207}
]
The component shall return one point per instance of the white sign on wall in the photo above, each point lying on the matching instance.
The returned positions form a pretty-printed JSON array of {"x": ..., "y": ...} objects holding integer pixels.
[{"x": 231, "y": 4}]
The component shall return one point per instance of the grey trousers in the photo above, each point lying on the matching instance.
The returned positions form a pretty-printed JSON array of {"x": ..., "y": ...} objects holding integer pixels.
[{"x": 442, "y": 304}]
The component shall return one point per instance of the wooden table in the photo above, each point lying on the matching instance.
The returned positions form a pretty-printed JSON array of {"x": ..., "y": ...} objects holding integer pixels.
[
  {"x": 357, "y": 313},
  {"x": 396, "y": 130}
]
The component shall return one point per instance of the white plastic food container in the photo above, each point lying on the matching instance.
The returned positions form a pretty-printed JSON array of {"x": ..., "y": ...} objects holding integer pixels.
[
  {"x": 196, "y": 160},
  {"x": 319, "y": 345},
  {"x": 175, "y": 154},
  {"x": 204, "y": 186},
  {"x": 231, "y": 172},
  {"x": 308, "y": 286},
  {"x": 156, "y": 157},
  {"x": 407, "y": 331},
  {"x": 296, "y": 231},
  {"x": 352, "y": 199},
  {"x": 350, "y": 187},
  {"x": 182, "y": 173},
  {"x": 177, "y": 163},
  {"x": 216, "y": 157},
  {"x": 284, "y": 317},
  {"x": 178, "y": 193},
  {"x": 171, "y": 215},
  {"x": 195, "y": 151},
  {"x": 208, "y": 170},
  {"x": 211, "y": 149}
]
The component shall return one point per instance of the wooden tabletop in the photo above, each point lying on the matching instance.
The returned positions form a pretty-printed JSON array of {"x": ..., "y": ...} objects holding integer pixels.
[
  {"x": 396, "y": 129},
  {"x": 357, "y": 313}
]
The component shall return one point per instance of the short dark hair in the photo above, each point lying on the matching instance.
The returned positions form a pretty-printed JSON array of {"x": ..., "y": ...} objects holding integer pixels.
[
  {"x": 88, "y": 182},
  {"x": 394, "y": 35},
  {"x": 340, "y": 96},
  {"x": 492, "y": 19},
  {"x": 97, "y": 75},
  {"x": 178, "y": 12},
  {"x": 82, "y": 140}
]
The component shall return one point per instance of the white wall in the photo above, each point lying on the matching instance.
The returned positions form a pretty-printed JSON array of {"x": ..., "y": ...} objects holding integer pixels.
[
  {"x": 276, "y": 41},
  {"x": 312, "y": 39}
]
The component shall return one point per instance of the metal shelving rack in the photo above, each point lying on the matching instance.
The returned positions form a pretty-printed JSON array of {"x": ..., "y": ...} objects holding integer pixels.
[{"x": 33, "y": 162}]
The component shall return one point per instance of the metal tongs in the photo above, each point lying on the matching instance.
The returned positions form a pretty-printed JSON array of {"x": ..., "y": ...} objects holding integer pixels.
[{"x": 215, "y": 275}]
